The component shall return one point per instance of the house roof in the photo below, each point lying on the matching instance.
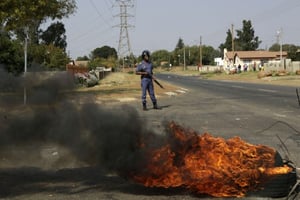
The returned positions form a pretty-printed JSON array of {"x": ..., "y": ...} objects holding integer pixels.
[{"x": 256, "y": 54}]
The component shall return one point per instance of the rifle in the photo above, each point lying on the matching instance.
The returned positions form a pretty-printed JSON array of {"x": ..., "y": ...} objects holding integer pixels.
[
  {"x": 158, "y": 83},
  {"x": 153, "y": 78}
]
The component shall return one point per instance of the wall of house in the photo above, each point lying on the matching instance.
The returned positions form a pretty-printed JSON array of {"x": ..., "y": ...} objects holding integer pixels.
[{"x": 251, "y": 64}]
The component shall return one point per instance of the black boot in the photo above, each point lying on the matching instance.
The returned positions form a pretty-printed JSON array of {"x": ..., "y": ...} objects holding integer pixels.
[
  {"x": 144, "y": 106},
  {"x": 155, "y": 105}
]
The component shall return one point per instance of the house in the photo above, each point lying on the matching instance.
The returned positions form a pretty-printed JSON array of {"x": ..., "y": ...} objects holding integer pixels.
[{"x": 251, "y": 59}]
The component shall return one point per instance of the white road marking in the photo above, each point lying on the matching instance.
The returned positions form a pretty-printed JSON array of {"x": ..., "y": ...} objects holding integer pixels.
[
  {"x": 184, "y": 89},
  {"x": 181, "y": 91},
  {"x": 171, "y": 93},
  {"x": 236, "y": 86},
  {"x": 280, "y": 115},
  {"x": 264, "y": 90}
]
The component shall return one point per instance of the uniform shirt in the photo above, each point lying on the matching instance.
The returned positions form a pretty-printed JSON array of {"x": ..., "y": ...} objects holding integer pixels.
[{"x": 145, "y": 67}]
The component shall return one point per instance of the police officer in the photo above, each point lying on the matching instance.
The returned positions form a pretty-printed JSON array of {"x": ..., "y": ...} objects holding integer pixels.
[{"x": 145, "y": 69}]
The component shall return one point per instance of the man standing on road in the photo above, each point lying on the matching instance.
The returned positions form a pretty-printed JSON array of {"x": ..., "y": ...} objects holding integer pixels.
[{"x": 145, "y": 69}]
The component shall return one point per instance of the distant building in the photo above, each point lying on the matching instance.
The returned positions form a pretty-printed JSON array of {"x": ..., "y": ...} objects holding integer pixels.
[
  {"x": 219, "y": 61},
  {"x": 77, "y": 67},
  {"x": 251, "y": 59},
  {"x": 82, "y": 63}
]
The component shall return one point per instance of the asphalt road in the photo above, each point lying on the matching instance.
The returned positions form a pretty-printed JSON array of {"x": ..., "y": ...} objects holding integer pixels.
[
  {"x": 258, "y": 113},
  {"x": 228, "y": 108},
  {"x": 59, "y": 169}
]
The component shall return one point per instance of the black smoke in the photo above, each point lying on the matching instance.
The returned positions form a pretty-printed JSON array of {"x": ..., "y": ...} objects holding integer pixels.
[{"x": 54, "y": 113}]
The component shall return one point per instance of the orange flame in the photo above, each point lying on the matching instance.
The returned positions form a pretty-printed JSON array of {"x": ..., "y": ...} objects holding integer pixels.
[{"x": 208, "y": 165}]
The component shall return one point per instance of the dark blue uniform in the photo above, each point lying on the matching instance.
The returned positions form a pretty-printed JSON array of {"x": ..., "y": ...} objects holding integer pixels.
[{"x": 146, "y": 81}]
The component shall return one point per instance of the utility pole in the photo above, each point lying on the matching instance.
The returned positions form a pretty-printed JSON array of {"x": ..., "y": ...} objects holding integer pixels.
[
  {"x": 279, "y": 40},
  {"x": 232, "y": 43},
  {"x": 200, "y": 52},
  {"x": 124, "y": 48},
  {"x": 25, "y": 62},
  {"x": 184, "y": 58}
]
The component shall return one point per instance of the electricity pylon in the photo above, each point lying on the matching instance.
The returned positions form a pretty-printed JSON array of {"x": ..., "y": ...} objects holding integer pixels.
[{"x": 124, "y": 48}]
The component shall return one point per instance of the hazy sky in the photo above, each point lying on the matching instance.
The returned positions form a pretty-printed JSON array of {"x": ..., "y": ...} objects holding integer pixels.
[{"x": 158, "y": 24}]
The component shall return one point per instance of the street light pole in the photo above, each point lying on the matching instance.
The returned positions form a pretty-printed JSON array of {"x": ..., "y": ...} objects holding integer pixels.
[
  {"x": 279, "y": 35},
  {"x": 25, "y": 63},
  {"x": 200, "y": 59},
  {"x": 184, "y": 57}
]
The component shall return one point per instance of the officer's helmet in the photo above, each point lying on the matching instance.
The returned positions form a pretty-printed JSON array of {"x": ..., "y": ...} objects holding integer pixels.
[{"x": 145, "y": 53}]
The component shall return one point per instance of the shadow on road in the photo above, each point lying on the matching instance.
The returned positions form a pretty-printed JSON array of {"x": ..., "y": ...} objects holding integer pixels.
[{"x": 30, "y": 180}]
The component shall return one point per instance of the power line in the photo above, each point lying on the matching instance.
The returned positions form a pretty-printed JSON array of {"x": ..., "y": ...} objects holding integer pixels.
[
  {"x": 124, "y": 47},
  {"x": 82, "y": 36},
  {"x": 98, "y": 12},
  {"x": 109, "y": 5}
]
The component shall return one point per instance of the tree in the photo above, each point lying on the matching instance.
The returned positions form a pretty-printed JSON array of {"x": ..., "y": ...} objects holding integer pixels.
[
  {"x": 246, "y": 40},
  {"x": 160, "y": 56},
  {"x": 104, "y": 52},
  {"x": 16, "y": 14},
  {"x": 178, "y": 51},
  {"x": 104, "y": 56},
  {"x": 292, "y": 50},
  {"x": 82, "y": 58},
  {"x": 179, "y": 44},
  {"x": 228, "y": 42},
  {"x": 209, "y": 54},
  {"x": 102, "y": 62},
  {"x": 57, "y": 58},
  {"x": 55, "y": 35},
  {"x": 11, "y": 54},
  {"x": 193, "y": 55}
]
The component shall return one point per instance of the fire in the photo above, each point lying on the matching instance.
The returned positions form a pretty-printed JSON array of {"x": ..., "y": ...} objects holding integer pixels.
[
  {"x": 276, "y": 170},
  {"x": 207, "y": 164}
]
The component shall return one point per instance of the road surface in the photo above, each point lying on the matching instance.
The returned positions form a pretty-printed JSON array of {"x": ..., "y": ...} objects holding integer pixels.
[{"x": 57, "y": 165}]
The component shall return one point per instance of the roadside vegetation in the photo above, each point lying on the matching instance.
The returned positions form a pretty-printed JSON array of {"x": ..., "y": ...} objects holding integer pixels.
[{"x": 275, "y": 77}]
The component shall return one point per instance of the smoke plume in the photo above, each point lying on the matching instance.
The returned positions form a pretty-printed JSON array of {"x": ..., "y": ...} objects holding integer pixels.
[{"x": 55, "y": 114}]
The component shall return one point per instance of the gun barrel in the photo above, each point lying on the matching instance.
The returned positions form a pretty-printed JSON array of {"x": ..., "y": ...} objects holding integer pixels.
[{"x": 158, "y": 83}]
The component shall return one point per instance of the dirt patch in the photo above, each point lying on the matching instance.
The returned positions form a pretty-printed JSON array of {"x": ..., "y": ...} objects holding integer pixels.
[{"x": 124, "y": 87}]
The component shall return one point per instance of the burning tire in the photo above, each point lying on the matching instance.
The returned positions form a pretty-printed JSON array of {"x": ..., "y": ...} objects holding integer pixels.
[
  {"x": 214, "y": 166},
  {"x": 280, "y": 185}
]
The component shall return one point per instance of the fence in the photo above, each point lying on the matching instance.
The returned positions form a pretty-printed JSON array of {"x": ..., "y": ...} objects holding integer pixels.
[
  {"x": 287, "y": 65},
  {"x": 210, "y": 68}
]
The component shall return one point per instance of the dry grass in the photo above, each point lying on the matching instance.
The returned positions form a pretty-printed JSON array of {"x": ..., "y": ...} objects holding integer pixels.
[{"x": 124, "y": 87}]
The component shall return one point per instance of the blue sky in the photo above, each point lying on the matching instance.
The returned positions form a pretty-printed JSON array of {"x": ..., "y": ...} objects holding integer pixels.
[{"x": 158, "y": 24}]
